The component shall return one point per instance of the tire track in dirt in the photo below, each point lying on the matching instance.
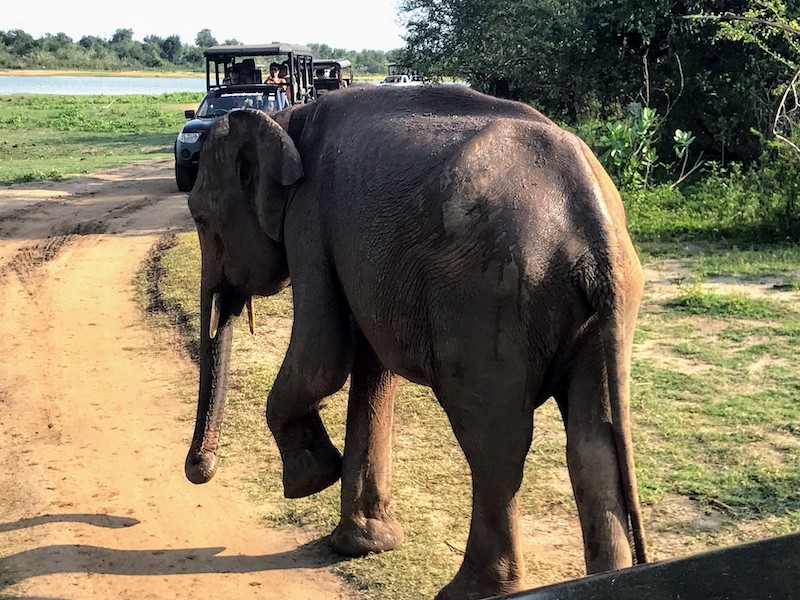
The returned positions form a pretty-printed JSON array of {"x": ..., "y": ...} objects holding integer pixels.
[
  {"x": 94, "y": 424},
  {"x": 29, "y": 259},
  {"x": 62, "y": 220}
]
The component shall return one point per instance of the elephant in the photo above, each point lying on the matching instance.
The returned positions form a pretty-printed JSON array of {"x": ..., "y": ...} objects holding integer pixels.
[{"x": 454, "y": 240}]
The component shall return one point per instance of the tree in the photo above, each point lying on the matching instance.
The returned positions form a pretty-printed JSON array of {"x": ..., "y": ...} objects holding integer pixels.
[
  {"x": 193, "y": 57},
  {"x": 771, "y": 26},
  {"x": 54, "y": 43},
  {"x": 151, "y": 48},
  {"x": 122, "y": 37},
  {"x": 204, "y": 39},
  {"x": 509, "y": 48},
  {"x": 152, "y": 43},
  {"x": 18, "y": 42},
  {"x": 20, "y": 50},
  {"x": 371, "y": 61},
  {"x": 365, "y": 61},
  {"x": 92, "y": 42},
  {"x": 171, "y": 49},
  {"x": 123, "y": 45}
]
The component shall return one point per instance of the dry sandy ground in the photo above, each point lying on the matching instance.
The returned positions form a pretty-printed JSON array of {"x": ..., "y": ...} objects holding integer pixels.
[{"x": 93, "y": 500}]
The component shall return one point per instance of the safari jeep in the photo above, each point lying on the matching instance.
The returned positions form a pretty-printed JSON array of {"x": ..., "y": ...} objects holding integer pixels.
[
  {"x": 332, "y": 74},
  {"x": 235, "y": 78}
]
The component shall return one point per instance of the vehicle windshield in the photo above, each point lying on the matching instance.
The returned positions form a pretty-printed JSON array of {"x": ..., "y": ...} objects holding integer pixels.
[
  {"x": 214, "y": 105},
  {"x": 393, "y": 79}
]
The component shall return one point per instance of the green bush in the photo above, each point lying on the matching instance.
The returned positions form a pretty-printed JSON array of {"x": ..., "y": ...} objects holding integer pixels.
[
  {"x": 776, "y": 178},
  {"x": 758, "y": 204},
  {"x": 628, "y": 146}
]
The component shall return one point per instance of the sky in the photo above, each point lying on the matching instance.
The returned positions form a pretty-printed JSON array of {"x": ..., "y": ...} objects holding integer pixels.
[{"x": 347, "y": 24}]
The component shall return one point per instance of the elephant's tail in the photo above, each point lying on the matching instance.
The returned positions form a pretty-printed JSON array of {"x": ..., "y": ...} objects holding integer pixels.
[
  {"x": 617, "y": 361},
  {"x": 611, "y": 277}
]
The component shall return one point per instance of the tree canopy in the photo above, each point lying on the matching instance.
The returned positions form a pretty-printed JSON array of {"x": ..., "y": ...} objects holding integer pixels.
[{"x": 579, "y": 57}]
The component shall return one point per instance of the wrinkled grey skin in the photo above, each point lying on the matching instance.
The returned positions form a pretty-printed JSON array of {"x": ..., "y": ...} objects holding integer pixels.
[{"x": 453, "y": 239}]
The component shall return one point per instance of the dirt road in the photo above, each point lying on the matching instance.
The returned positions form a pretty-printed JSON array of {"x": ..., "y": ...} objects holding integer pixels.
[{"x": 93, "y": 428}]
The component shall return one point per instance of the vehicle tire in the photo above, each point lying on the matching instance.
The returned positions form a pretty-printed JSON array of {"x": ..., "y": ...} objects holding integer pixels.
[{"x": 185, "y": 177}]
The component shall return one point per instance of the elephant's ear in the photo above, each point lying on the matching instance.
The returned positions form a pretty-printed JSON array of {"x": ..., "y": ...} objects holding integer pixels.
[{"x": 268, "y": 164}]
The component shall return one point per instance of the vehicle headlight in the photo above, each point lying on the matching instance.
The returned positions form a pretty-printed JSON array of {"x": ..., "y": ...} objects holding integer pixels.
[{"x": 188, "y": 138}]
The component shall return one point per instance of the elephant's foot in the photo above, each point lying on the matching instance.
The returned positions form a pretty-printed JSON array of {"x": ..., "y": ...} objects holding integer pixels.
[
  {"x": 310, "y": 470},
  {"x": 362, "y": 536},
  {"x": 310, "y": 461},
  {"x": 472, "y": 587}
]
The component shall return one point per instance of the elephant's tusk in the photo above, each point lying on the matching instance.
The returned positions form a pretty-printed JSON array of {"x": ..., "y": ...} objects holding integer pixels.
[
  {"x": 251, "y": 315},
  {"x": 214, "y": 324}
]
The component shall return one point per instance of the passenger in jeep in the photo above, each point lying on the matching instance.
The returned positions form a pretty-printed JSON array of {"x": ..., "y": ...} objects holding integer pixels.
[
  {"x": 231, "y": 78},
  {"x": 275, "y": 78}
]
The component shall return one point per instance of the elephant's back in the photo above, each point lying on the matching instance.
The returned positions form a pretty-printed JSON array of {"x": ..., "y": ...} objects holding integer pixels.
[
  {"x": 429, "y": 100},
  {"x": 396, "y": 135}
]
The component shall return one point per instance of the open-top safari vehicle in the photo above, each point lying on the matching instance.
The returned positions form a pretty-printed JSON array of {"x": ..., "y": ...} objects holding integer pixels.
[
  {"x": 332, "y": 74},
  {"x": 238, "y": 77}
]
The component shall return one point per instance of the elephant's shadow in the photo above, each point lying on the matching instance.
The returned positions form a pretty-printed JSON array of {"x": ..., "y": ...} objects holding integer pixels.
[{"x": 79, "y": 558}]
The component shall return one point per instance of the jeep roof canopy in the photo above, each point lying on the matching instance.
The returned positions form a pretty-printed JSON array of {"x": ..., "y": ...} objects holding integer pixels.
[
  {"x": 342, "y": 63},
  {"x": 299, "y": 61},
  {"x": 255, "y": 50}
]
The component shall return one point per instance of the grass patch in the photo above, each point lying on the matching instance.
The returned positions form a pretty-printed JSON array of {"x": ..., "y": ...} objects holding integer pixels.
[
  {"x": 696, "y": 301},
  {"x": 54, "y": 137},
  {"x": 740, "y": 453},
  {"x": 715, "y": 391},
  {"x": 750, "y": 264}
]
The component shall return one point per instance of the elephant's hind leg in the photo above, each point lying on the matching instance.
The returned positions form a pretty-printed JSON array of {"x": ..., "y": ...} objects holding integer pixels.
[
  {"x": 494, "y": 427},
  {"x": 317, "y": 363},
  {"x": 593, "y": 463},
  {"x": 367, "y": 524}
]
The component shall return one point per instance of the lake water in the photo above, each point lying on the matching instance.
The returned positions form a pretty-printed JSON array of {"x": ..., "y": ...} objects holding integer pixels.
[{"x": 112, "y": 86}]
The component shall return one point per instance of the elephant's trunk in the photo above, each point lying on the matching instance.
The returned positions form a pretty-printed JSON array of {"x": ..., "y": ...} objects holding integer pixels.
[{"x": 216, "y": 333}]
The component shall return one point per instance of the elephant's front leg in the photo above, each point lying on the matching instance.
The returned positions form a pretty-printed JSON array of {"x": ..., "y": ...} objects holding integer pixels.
[
  {"x": 367, "y": 524},
  {"x": 317, "y": 363}
]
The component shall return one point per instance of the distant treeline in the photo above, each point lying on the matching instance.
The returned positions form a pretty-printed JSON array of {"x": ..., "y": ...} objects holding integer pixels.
[{"x": 20, "y": 50}]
